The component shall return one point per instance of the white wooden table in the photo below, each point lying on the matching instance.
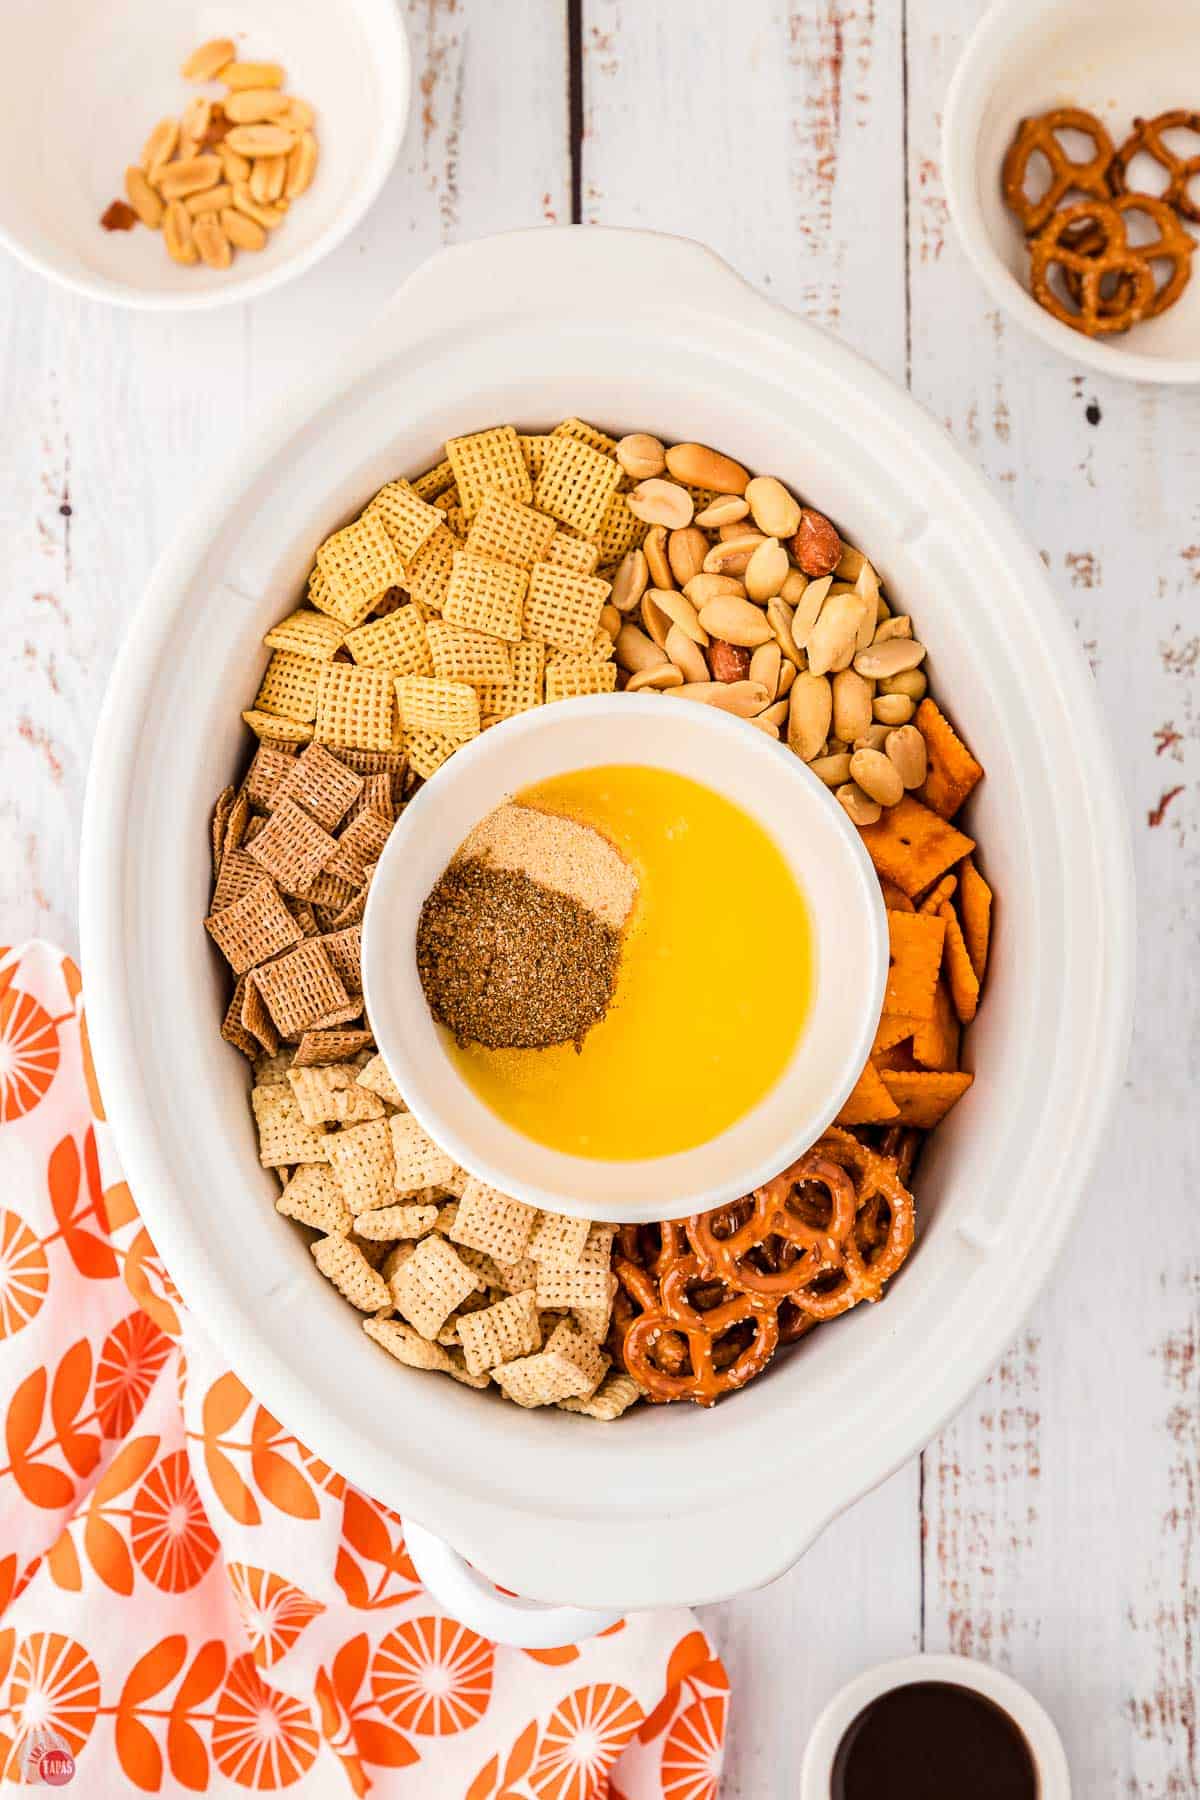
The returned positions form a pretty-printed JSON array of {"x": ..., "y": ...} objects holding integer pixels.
[{"x": 1053, "y": 1527}]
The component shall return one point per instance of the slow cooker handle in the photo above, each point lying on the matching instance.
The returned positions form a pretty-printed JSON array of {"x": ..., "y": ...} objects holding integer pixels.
[{"x": 469, "y": 1597}]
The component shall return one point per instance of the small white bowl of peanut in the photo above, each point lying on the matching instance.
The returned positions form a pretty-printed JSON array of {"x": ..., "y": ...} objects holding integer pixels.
[{"x": 179, "y": 157}]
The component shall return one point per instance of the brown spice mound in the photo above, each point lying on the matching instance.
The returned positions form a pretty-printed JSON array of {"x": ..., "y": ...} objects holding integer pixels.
[{"x": 510, "y": 964}]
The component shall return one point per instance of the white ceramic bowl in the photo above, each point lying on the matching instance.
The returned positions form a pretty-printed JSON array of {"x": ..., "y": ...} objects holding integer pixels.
[
  {"x": 1045, "y": 1745},
  {"x": 823, "y": 851},
  {"x": 1112, "y": 59},
  {"x": 655, "y": 333},
  {"x": 82, "y": 83}
]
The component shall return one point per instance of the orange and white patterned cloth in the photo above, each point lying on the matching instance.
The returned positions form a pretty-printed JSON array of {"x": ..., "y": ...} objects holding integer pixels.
[{"x": 190, "y": 1601}]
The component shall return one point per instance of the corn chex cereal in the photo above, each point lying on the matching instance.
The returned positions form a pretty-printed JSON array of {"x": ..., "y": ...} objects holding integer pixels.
[
  {"x": 303, "y": 990},
  {"x": 541, "y": 1379},
  {"x": 563, "y": 608},
  {"x": 312, "y": 1197},
  {"x": 486, "y": 595},
  {"x": 321, "y": 785},
  {"x": 361, "y": 1159},
  {"x": 408, "y": 519},
  {"x": 330, "y": 1095},
  {"x": 292, "y": 848},
  {"x": 575, "y": 484},
  {"x": 427, "y": 576},
  {"x": 396, "y": 642},
  {"x": 355, "y": 707},
  {"x": 460, "y": 654},
  {"x": 500, "y": 1333},
  {"x": 506, "y": 531},
  {"x": 533, "y": 449},
  {"x": 557, "y": 1238},
  {"x": 568, "y": 552},
  {"x": 566, "y": 1340},
  {"x": 430, "y": 1284},
  {"x": 570, "y": 677},
  {"x": 434, "y": 482},
  {"x": 308, "y": 633},
  {"x": 524, "y": 691},
  {"x": 583, "y": 433},
  {"x": 449, "y": 708},
  {"x": 289, "y": 686},
  {"x": 615, "y": 1395},
  {"x": 488, "y": 460},
  {"x": 420, "y": 1163},
  {"x": 619, "y": 531},
  {"x": 430, "y": 749},
  {"x": 283, "y": 1137},
  {"x": 344, "y": 1264},
  {"x": 406, "y": 1220},
  {"x": 359, "y": 563},
  {"x": 271, "y": 728},
  {"x": 256, "y": 926},
  {"x": 376, "y": 1076},
  {"x": 493, "y": 1222}
]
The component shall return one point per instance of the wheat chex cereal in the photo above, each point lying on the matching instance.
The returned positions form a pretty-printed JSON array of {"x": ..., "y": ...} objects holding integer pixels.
[
  {"x": 408, "y": 519},
  {"x": 446, "y": 708},
  {"x": 292, "y": 848},
  {"x": 405, "y": 1220},
  {"x": 344, "y": 950},
  {"x": 575, "y": 484},
  {"x": 563, "y": 608},
  {"x": 360, "y": 843},
  {"x": 615, "y": 1395},
  {"x": 558, "y": 1239},
  {"x": 308, "y": 633},
  {"x": 320, "y": 785},
  {"x": 283, "y": 1137},
  {"x": 302, "y": 990},
  {"x": 420, "y": 1163},
  {"x": 570, "y": 677},
  {"x": 319, "y": 1048},
  {"x": 256, "y": 926},
  {"x": 500, "y": 1333},
  {"x": 569, "y": 552},
  {"x": 289, "y": 686},
  {"x": 330, "y": 1095},
  {"x": 488, "y": 460},
  {"x": 313, "y": 1198},
  {"x": 268, "y": 772},
  {"x": 541, "y": 1379},
  {"x": 256, "y": 1019},
  {"x": 361, "y": 1159},
  {"x": 355, "y": 707},
  {"x": 506, "y": 531},
  {"x": 430, "y": 1284},
  {"x": 486, "y": 595},
  {"x": 492, "y": 1222},
  {"x": 344, "y": 1264},
  {"x": 396, "y": 642},
  {"x": 376, "y": 1076},
  {"x": 566, "y": 1340},
  {"x": 232, "y": 1029}
]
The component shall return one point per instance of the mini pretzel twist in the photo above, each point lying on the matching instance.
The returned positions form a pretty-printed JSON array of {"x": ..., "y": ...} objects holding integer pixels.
[
  {"x": 703, "y": 1331},
  {"x": 1089, "y": 243},
  {"x": 1066, "y": 175},
  {"x": 1147, "y": 137}
]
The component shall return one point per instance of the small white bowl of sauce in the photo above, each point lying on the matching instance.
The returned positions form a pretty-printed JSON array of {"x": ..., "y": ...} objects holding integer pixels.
[
  {"x": 774, "y": 1000},
  {"x": 934, "y": 1728}
]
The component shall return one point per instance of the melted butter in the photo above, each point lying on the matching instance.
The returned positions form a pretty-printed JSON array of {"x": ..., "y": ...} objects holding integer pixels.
[{"x": 714, "y": 988}]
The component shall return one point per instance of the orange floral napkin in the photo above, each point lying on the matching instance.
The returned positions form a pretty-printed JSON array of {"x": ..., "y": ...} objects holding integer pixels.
[{"x": 190, "y": 1601}]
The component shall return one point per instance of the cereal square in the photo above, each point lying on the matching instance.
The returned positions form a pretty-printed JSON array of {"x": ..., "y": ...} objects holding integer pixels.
[
  {"x": 361, "y": 1159},
  {"x": 446, "y": 707},
  {"x": 407, "y": 1345},
  {"x": 618, "y": 531},
  {"x": 434, "y": 482},
  {"x": 524, "y": 691},
  {"x": 268, "y": 772},
  {"x": 283, "y": 1137},
  {"x": 408, "y": 519},
  {"x": 307, "y": 633},
  {"x": 563, "y": 608},
  {"x": 500, "y": 1333},
  {"x": 253, "y": 928},
  {"x": 471, "y": 656},
  {"x": 355, "y": 708},
  {"x": 566, "y": 1340},
  {"x": 302, "y": 988},
  {"x": 405, "y": 1220},
  {"x": 359, "y": 844},
  {"x": 488, "y": 460},
  {"x": 330, "y": 1095},
  {"x": 557, "y": 1238},
  {"x": 430, "y": 749},
  {"x": 576, "y": 483},
  {"x": 569, "y": 552},
  {"x": 344, "y": 949},
  {"x": 430, "y": 1284},
  {"x": 427, "y": 576},
  {"x": 376, "y": 1077},
  {"x": 615, "y": 1395},
  {"x": 289, "y": 686},
  {"x": 542, "y": 1379},
  {"x": 420, "y": 1163},
  {"x": 272, "y": 728},
  {"x": 569, "y": 677},
  {"x": 321, "y": 785},
  {"x": 486, "y": 595},
  {"x": 583, "y": 433},
  {"x": 292, "y": 848},
  {"x": 313, "y": 1198},
  {"x": 508, "y": 532},
  {"x": 577, "y": 1289},
  {"x": 359, "y": 563},
  {"x": 397, "y": 643},
  {"x": 344, "y": 1264},
  {"x": 493, "y": 1222},
  {"x": 318, "y": 1048}
]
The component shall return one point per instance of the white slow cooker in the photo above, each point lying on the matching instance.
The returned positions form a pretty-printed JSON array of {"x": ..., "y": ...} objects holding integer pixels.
[{"x": 666, "y": 1506}]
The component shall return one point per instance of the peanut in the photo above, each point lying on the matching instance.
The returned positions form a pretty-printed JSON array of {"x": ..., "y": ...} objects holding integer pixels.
[
  {"x": 704, "y": 468},
  {"x": 251, "y": 75},
  {"x": 177, "y": 233},
  {"x": 641, "y": 456},
  {"x": 861, "y": 808},
  {"x": 666, "y": 675},
  {"x": 656, "y": 502},
  {"x": 630, "y": 581},
  {"x": 728, "y": 662},
  {"x": 209, "y": 199},
  {"x": 267, "y": 178},
  {"x": 897, "y": 625},
  {"x": 772, "y": 508},
  {"x": 684, "y": 654},
  {"x": 677, "y": 609},
  {"x": 731, "y": 555},
  {"x": 179, "y": 179},
  {"x": 834, "y": 771},
  {"x": 779, "y": 618},
  {"x": 912, "y": 682},
  {"x": 745, "y": 698},
  {"x": 159, "y": 147},
  {"x": 765, "y": 665},
  {"x": 816, "y": 546},
  {"x": 877, "y": 776},
  {"x": 892, "y": 657},
  {"x": 830, "y": 643},
  {"x": 260, "y": 140},
  {"x": 703, "y": 588},
  {"x": 686, "y": 551},
  {"x": 634, "y": 651},
  {"x": 737, "y": 621},
  {"x": 256, "y": 106},
  {"x": 211, "y": 241},
  {"x": 204, "y": 63},
  {"x": 659, "y": 563},
  {"x": 766, "y": 571},
  {"x": 142, "y": 197},
  {"x": 906, "y": 749},
  {"x": 808, "y": 610},
  {"x": 726, "y": 510},
  {"x": 893, "y": 709},
  {"x": 810, "y": 713},
  {"x": 610, "y": 618},
  {"x": 852, "y": 695}
]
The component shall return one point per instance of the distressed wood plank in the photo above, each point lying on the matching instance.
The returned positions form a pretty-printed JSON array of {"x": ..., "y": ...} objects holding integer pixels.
[
  {"x": 123, "y": 416},
  {"x": 1061, "y": 1503}
]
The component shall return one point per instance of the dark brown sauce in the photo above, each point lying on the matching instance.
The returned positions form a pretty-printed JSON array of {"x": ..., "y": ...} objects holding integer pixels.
[{"x": 933, "y": 1740}]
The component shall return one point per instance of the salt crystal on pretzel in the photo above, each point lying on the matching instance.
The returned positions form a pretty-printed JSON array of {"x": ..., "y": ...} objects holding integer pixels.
[{"x": 344, "y": 1264}]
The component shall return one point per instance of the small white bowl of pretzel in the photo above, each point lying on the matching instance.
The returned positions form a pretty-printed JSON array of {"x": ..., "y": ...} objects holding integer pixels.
[{"x": 175, "y": 158}]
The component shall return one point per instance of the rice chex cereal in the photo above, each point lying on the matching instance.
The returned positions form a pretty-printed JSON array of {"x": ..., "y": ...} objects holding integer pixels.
[
  {"x": 361, "y": 1159},
  {"x": 430, "y": 1284}
]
